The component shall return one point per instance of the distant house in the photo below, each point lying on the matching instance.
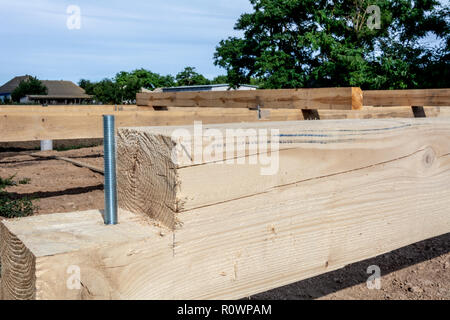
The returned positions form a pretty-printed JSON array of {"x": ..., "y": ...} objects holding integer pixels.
[
  {"x": 207, "y": 87},
  {"x": 58, "y": 92},
  {"x": 7, "y": 89}
]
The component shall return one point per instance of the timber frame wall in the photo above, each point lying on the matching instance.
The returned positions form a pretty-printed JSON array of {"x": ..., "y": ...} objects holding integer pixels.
[
  {"x": 183, "y": 235},
  {"x": 31, "y": 123}
]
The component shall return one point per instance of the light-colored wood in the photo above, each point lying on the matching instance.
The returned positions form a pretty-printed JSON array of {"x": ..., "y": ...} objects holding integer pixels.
[
  {"x": 69, "y": 108},
  {"x": 347, "y": 209},
  {"x": 419, "y": 97},
  {"x": 56, "y": 126},
  {"x": 44, "y": 125},
  {"x": 322, "y": 98},
  {"x": 17, "y": 264},
  {"x": 382, "y": 113},
  {"x": 152, "y": 182}
]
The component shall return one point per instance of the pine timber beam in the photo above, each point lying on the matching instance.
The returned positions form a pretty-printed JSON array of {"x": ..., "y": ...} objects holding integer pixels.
[
  {"x": 345, "y": 191},
  {"x": 46, "y": 124},
  {"x": 42, "y": 125},
  {"x": 418, "y": 97},
  {"x": 321, "y": 98},
  {"x": 68, "y": 108}
]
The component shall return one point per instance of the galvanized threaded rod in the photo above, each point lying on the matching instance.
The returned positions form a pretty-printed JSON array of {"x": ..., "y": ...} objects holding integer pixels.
[{"x": 110, "y": 170}]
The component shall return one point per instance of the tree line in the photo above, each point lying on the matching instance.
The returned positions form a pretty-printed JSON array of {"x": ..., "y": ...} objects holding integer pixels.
[
  {"x": 372, "y": 44},
  {"x": 124, "y": 86}
]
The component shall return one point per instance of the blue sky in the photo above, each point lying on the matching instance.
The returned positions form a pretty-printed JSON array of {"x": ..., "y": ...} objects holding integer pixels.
[{"x": 162, "y": 36}]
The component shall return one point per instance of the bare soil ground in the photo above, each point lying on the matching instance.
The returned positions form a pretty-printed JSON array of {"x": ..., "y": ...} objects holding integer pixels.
[
  {"x": 419, "y": 271},
  {"x": 56, "y": 185}
]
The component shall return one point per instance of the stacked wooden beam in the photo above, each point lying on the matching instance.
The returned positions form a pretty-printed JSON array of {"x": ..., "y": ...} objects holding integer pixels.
[
  {"x": 307, "y": 99},
  {"x": 322, "y": 98},
  {"x": 30, "y": 123},
  {"x": 194, "y": 227},
  {"x": 56, "y": 125},
  {"x": 420, "y": 97}
]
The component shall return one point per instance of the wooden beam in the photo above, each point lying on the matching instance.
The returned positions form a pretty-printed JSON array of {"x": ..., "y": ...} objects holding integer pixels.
[
  {"x": 422, "y": 97},
  {"x": 358, "y": 189},
  {"x": 64, "y": 125},
  {"x": 69, "y": 108},
  {"x": 40, "y": 124},
  {"x": 323, "y": 98},
  {"x": 188, "y": 184}
]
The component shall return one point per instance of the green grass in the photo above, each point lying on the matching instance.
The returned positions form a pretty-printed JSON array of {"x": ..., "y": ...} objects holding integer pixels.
[
  {"x": 25, "y": 181},
  {"x": 7, "y": 182},
  {"x": 11, "y": 207}
]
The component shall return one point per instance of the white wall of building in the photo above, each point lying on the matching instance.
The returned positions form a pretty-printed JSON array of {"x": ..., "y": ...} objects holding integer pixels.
[
  {"x": 24, "y": 100},
  {"x": 225, "y": 88}
]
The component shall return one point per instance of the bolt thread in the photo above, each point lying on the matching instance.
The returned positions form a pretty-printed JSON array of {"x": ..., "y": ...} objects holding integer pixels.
[{"x": 110, "y": 170}]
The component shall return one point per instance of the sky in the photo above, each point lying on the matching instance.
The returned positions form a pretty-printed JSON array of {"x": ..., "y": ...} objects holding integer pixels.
[{"x": 161, "y": 36}]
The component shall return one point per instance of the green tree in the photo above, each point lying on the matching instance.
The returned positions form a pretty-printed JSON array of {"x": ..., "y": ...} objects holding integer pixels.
[
  {"x": 151, "y": 80},
  {"x": 124, "y": 86},
  {"x": 87, "y": 85},
  {"x": 189, "y": 77},
  {"x": 132, "y": 82},
  {"x": 108, "y": 92},
  {"x": 28, "y": 87},
  {"x": 317, "y": 43},
  {"x": 220, "y": 80}
]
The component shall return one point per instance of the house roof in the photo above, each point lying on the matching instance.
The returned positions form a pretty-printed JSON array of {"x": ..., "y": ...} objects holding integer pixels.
[
  {"x": 57, "y": 89},
  {"x": 62, "y": 89},
  {"x": 9, "y": 87}
]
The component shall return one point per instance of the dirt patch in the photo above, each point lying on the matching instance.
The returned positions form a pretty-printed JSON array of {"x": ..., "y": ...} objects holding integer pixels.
[
  {"x": 56, "y": 186},
  {"x": 419, "y": 271}
]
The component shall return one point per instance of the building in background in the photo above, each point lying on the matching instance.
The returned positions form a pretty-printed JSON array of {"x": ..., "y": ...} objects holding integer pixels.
[
  {"x": 206, "y": 87},
  {"x": 59, "y": 92},
  {"x": 7, "y": 89}
]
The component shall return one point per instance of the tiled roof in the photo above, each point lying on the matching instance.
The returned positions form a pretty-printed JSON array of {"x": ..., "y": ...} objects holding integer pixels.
[
  {"x": 12, "y": 84},
  {"x": 56, "y": 88},
  {"x": 64, "y": 89}
]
